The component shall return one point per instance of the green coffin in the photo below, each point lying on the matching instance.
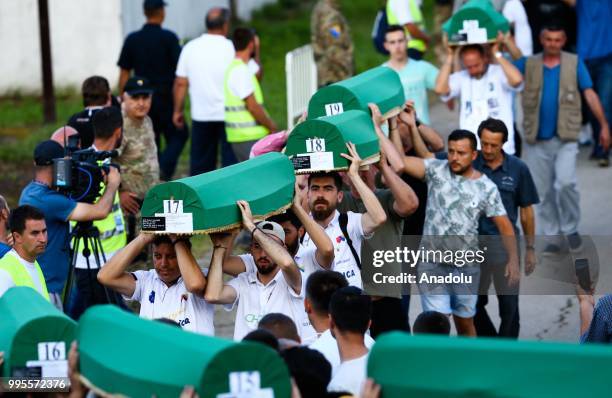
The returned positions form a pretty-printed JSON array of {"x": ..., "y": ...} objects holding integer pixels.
[
  {"x": 208, "y": 200},
  {"x": 27, "y": 320},
  {"x": 316, "y": 144},
  {"x": 380, "y": 85},
  {"x": 443, "y": 367},
  {"x": 483, "y": 15},
  {"x": 121, "y": 353}
]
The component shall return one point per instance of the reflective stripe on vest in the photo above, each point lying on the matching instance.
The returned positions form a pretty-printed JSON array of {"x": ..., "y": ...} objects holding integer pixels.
[
  {"x": 112, "y": 229},
  {"x": 240, "y": 125},
  {"x": 417, "y": 18},
  {"x": 20, "y": 275}
]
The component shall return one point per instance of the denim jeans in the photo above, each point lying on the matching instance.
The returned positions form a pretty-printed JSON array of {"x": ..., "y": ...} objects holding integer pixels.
[
  {"x": 600, "y": 70},
  {"x": 206, "y": 137}
]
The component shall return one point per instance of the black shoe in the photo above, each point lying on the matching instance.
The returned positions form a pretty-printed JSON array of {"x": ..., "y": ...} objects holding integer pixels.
[
  {"x": 603, "y": 162},
  {"x": 575, "y": 242},
  {"x": 551, "y": 250}
]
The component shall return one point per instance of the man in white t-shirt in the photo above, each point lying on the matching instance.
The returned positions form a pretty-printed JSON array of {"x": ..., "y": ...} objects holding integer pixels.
[
  {"x": 19, "y": 267},
  {"x": 350, "y": 317},
  {"x": 324, "y": 194},
  {"x": 295, "y": 223},
  {"x": 485, "y": 89},
  {"x": 320, "y": 287},
  {"x": 174, "y": 289},
  {"x": 515, "y": 13},
  {"x": 275, "y": 287},
  {"x": 201, "y": 68}
]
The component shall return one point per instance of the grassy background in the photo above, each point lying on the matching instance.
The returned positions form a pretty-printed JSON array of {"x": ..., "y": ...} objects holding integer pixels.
[{"x": 282, "y": 27}]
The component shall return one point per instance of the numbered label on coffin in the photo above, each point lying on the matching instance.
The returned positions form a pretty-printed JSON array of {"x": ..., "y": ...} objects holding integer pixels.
[
  {"x": 175, "y": 221},
  {"x": 246, "y": 385},
  {"x": 316, "y": 161},
  {"x": 334, "y": 109}
]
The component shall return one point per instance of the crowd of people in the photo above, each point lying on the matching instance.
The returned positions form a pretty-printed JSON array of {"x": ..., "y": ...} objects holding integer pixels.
[{"x": 307, "y": 286}]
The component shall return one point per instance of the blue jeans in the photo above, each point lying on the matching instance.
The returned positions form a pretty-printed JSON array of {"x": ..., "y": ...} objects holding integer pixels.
[
  {"x": 205, "y": 140},
  {"x": 600, "y": 70}
]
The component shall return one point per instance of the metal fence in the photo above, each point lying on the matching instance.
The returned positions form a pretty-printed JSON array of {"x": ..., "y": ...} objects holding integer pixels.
[{"x": 301, "y": 73}]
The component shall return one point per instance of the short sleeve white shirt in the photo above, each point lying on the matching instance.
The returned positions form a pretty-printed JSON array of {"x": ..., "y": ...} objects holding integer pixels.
[
  {"x": 326, "y": 344},
  {"x": 254, "y": 300},
  {"x": 240, "y": 81},
  {"x": 514, "y": 11},
  {"x": 489, "y": 96},
  {"x": 344, "y": 262},
  {"x": 401, "y": 9},
  {"x": 157, "y": 300},
  {"x": 6, "y": 282},
  {"x": 204, "y": 61},
  {"x": 350, "y": 376}
]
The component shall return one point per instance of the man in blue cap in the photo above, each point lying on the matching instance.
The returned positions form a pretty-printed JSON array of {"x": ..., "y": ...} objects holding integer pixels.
[{"x": 153, "y": 52}]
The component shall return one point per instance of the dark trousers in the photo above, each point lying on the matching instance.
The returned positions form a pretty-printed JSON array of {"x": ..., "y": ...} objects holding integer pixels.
[
  {"x": 205, "y": 140},
  {"x": 175, "y": 139},
  {"x": 508, "y": 304},
  {"x": 388, "y": 315},
  {"x": 90, "y": 292},
  {"x": 600, "y": 70}
]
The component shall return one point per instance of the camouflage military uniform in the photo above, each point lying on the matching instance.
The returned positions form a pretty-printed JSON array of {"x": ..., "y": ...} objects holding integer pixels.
[
  {"x": 138, "y": 156},
  {"x": 331, "y": 42}
]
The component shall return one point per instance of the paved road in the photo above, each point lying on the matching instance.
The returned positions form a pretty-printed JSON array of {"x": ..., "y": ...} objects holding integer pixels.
[{"x": 543, "y": 317}]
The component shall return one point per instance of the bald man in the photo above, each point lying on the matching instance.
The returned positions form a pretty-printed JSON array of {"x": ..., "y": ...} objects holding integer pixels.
[
  {"x": 62, "y": 134},
  {"x": 205, "y": 82}
]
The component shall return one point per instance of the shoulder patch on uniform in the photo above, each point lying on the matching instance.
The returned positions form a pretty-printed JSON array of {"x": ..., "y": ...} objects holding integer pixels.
[{"x": 335, "y": 31}]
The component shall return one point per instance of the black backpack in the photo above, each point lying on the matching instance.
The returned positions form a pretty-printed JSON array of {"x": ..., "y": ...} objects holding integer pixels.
[{"x": 379, "y": 30}]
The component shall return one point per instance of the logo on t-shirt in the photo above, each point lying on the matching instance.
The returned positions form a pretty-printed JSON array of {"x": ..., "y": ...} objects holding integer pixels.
[
  {"x": 340, "y": 238},
  {"x": 152, "y": 297}
]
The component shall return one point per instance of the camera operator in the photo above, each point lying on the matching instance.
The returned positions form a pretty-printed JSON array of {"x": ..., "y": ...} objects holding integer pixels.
[
  {"x": 107, "y": 126},
  {"x": 59, "y": 210},
  {"x": 96, "y": 95}
]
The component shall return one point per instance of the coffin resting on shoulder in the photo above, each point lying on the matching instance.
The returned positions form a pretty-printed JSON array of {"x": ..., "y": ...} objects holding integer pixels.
[
  {"x": 317, "y": 144},
  {"x": 380, "y": 85},
  {"x": 121, "y": 353},
  {"x": 207, "y": 202},
  {"x": 478, "y": 13}
]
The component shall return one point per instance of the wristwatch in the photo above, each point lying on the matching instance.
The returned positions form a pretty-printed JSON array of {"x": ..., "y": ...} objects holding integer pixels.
[{"x": 498, "y": 54}]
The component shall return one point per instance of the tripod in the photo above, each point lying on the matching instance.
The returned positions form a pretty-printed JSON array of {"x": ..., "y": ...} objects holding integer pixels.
[{"x": 87, "y": 236}]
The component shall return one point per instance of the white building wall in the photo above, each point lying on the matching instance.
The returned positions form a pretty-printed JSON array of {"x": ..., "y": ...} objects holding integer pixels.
[{"x": 86, "y": 38}]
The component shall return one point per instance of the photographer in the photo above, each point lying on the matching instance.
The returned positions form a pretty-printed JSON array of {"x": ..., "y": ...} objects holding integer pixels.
[
  {"x": 58, "y": 210},
  {"x": 107, "y": 126}
]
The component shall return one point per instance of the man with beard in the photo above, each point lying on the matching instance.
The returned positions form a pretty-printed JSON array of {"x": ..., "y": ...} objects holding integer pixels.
[
  {"x": 485, "y": 88},
  {"x": 458, "y": 195},
  {"x": 519, "y": 194},
  {"x": 346, "y": 230},
  {"x": 398, "y": 201},
  {"x": 295, "y": 222},
  {"x": 275, "y": 287}
]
